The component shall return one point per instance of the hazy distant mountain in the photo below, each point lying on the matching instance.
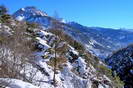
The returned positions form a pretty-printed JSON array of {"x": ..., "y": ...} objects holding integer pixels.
[
  {"x": 105, "y": 40},
  {"x": 100, "y": 41}
]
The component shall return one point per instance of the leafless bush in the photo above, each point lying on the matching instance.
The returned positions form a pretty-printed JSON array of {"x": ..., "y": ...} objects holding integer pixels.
[{"x": 16, "y": 53}]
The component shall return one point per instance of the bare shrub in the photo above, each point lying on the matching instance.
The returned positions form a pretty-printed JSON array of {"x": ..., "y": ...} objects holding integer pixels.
[{"x": 16, "y": 53}]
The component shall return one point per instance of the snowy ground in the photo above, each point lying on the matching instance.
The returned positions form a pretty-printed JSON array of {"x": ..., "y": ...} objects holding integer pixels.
[{"x": 75, "y": 72}]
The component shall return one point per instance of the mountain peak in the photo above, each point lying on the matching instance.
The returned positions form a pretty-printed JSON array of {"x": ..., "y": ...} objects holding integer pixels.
[{"x": 27, "y": 12}]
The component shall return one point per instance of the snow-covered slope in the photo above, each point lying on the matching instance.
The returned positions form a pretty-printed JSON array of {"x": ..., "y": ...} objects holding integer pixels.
[
  {"x": 74, "y": 69},
  {"x": 15, "y": 83},
  {"x": 122, "y": 63},
  {"x": 100, "y": 41}
]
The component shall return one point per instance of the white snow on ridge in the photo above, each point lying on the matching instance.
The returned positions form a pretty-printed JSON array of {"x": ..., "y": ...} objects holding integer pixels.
[
  {"x": 43, "y": 43},
  {"x": 20, "y": 18},
  {"x": 22, "y": 9},
  {"x": 45, "y": 33}
]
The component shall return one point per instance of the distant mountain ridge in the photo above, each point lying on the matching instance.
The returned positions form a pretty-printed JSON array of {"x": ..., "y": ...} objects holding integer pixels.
[
  {"x": 100, "y": 41},
  {"x": 105, "y": 39}
]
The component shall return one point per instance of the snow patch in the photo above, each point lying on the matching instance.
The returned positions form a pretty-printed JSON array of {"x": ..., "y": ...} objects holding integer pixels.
[
  {"x": 22, "y": 9},
  {"x": 15, "y": 83},
  {"x": 20, "y": 18},
  {"x": 43, "y": 43}
]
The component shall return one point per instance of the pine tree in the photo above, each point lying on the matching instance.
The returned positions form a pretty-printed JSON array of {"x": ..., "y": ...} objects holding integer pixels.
[
  {"x": 3, "y": 10},
  {"x": 4, "y": 17}
]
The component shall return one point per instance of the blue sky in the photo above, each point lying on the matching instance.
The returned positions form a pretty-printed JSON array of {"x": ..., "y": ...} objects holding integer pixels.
[{"x": 101, "y": 13}]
